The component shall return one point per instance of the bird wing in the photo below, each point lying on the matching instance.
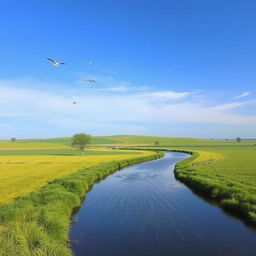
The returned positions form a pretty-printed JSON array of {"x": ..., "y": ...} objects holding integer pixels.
[
  {"x": 62, "y": 63},
  {"x": 52, "y": 60}
]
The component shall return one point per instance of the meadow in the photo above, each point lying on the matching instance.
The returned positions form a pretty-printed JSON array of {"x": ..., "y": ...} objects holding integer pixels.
[
  {"x": 26, "y": 170},
  {"x": 121, "y": 140},
  {"x": 40, "y": 186},
  {"x": 230, "y": 180},
  {"x": 41, "y": 182}
]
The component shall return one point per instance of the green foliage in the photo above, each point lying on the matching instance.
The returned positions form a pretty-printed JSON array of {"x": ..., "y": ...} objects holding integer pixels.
[
  {"x": 38, "y": 224},
  {"x": 80, "y": 140},
  {"x": 230, "y": 181},
  {"x": 13, "y": 139},
  {"x": 238, "y": 139}
]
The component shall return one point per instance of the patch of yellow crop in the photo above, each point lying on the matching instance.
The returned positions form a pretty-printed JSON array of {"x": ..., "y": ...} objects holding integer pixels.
[
  {"x": 206, "y": 157},
  {"x": 21, "y": 175},
  {"x": 8, "y": 145}
]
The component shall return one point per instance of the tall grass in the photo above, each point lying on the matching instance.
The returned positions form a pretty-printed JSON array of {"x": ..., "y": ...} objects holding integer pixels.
[
  {"x": 235, "y": 196},
  {"x": 38, "y": 224}
]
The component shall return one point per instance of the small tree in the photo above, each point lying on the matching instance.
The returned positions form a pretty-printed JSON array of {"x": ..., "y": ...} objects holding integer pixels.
[
  {"x": 156, "y": 143},
  {"x": 80, "y": 140},
  {"x": 13, "y": 139},
  {"x": 238, "y": 139}
]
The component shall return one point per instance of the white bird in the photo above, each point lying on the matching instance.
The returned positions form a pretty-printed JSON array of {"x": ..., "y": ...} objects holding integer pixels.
[
  {"x": 55, "y": 63},
  {"x": 90, "y": 62},
  {"x": 75, "y": 102},
  {"x": 91, "y": 80}
]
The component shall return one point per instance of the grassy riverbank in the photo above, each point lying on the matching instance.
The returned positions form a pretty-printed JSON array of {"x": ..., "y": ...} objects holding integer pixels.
[
  {"x": 224, "y": 173},
  {"x": 38, "y": 224},
  {"x": 24, "y": 171},
  {"x": 231, "y": 180}
]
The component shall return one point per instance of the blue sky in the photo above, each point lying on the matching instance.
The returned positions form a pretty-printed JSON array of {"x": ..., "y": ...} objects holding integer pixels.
[{"x": 166, "y": 67}]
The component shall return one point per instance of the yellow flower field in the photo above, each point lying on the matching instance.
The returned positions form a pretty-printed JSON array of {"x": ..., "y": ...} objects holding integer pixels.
[{"x": 23, "y": 174}]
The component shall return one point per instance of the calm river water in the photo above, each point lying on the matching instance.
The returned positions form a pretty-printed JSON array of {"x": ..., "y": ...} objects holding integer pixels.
[{"x": 143, "y": 210}]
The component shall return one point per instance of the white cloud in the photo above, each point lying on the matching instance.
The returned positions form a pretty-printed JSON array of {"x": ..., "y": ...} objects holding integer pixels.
[
  {"x": 242, "y": 95},
  {"x": 105, "y": 111},
  {"x": 166, "y": 95},
  {"x": 233, "y": 105},
  {"x": 114, "y": 89}
]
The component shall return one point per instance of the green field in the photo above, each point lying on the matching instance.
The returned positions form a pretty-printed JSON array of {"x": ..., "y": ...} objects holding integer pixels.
[
  {"x": 42, "y": 180},
  {"x": 46, "y": 189},
  {"x": 231, "y": 181},
  {"x": 226, "y": 170},
  {"x": 116, "y": 140},
  {"x": 60, "y": 152}
]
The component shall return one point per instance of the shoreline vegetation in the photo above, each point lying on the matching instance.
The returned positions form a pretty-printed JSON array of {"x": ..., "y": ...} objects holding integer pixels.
[
  {"x": 233, "y": 197},
  {"x": 38, "y": 224},
  {"x": 211, "y": 175}
]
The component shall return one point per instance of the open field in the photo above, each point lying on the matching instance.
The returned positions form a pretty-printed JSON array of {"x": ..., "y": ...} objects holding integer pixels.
[
  {"x": 60, "y": 152},
  {"x": 7, "y": 145},
  {"x": 49, "y": 179},
  {"x": 116, "y": 140},
  {"x": 24, "y": 171},
  {"x": 235, "y": 169},
  {"x": 38, "y": 224}
]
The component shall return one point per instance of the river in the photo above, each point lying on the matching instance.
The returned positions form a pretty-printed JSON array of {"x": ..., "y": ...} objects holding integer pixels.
[{"x": 143, "y": 210}]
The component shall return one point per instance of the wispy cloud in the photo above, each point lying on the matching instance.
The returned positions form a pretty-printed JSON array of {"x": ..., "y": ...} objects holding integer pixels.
[
  {"x": 123, "y": 110},
  {"x": 233, "y": 105},
  {"x": 242, "y": 95},
  {"x": 166, "y": 95},
  {"x": 114, "y": 89}
]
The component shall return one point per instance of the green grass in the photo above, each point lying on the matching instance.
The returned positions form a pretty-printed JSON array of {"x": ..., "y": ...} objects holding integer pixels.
[
  {"x": 145, "y": 140},
  {"x": 230, "y": 180},
  {"x": 38, "y": 224},
  {"x": 64, "y": 152},
  {"x": 67, "y": 140}
]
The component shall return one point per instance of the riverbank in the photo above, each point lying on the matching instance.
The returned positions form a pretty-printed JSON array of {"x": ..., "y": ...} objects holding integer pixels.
[
  {"x": 38, "y": 224},
  {"x": 225, "y": 174},
  {"x": 231, "y": 187},
  {"x": 144, "y": 210}
]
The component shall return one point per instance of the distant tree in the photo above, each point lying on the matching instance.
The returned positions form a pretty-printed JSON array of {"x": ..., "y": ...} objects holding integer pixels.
[
  {"x": 13, "y": 139},
  {"x": 156, "y": 143},
  {"x": 81, "y": 140},
  {"x": 238, "y": 139}
]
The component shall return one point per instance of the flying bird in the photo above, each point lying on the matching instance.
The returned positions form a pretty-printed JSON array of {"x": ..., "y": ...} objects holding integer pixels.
[
  {"x": 91, "y": 80},
  {"x": 75, "y": 102},
  {"x": 55, "y": 63},
  {"x": 90, "y": 62}
]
